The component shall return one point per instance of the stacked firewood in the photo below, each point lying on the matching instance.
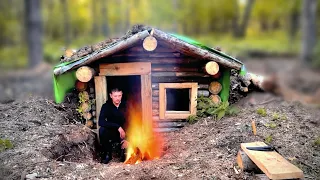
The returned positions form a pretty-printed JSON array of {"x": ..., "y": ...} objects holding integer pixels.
[{"x": 86, "y": 94}]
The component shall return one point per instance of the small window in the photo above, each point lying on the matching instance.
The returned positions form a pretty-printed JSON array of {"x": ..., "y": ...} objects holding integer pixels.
[{"x": 177, "y": 100}]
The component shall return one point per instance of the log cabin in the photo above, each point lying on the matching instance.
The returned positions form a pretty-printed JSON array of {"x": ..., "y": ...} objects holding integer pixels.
[{"x": 163, "y": 72}]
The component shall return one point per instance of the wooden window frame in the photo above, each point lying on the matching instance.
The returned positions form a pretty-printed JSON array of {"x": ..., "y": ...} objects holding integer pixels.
[{"x": 164, "y": 114}]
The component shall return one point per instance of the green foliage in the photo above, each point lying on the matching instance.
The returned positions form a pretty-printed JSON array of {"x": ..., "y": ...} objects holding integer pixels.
[
  {"x": 192, "y": 119},
  {"x": 5, "y": 144},
  {"x": 262, "y": 112},
  {"x": 271, "y": 125},
  {"x": 268, "y": 139},
  {"x": 317, "y": 141},
  {"x": 206, "y": 107},
  {"x": 275, "y": 116}
]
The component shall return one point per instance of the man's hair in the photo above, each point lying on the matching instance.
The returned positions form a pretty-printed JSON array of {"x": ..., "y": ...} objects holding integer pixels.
[{"x": 115, "y": 89}]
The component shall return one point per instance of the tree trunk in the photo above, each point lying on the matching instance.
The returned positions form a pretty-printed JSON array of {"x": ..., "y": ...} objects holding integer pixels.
[
  {"x": 175, "y": 22},
  {"x": 94, "y": 30},
  {"x": 104, "y": 17},
  {"x": 309, "y": 12},
  {"x": 241, "y": 32},
  {"x": 66, "y": 23},
  {"x": 34, "y": 32}
]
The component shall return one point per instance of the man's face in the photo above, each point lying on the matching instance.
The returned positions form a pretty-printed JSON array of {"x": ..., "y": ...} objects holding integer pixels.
[{"x": 116, "y": 96}]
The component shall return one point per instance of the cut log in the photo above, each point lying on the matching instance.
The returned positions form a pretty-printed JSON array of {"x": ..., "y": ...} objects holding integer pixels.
[
  {"x": 81, "y": 86},
  {"x": 245, "y": 163},
  {"x": 155, "y": 112},
  {"x": 87, "y": 115},
  {"x": 85, "y": 107},
  {"x": 215, "y": 87},
  {"x": 83, "y": 96},
  {"x": 204, "y": 93},
  {"x": 85, "y": 73},
  {"x": 212, "y": 68},
  {"x": 150, "y": 43},
  {"x": 215, "y": 98}
]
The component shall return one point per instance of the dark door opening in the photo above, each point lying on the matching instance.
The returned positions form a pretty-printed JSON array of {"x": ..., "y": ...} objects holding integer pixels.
[
  {"x": 178, "y": 99},
  {"x": 131, "y": 88}
]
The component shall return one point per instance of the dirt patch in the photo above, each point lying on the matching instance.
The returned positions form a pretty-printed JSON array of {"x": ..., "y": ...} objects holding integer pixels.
[
  {"x": 41, "y": 131},
  {"x": 44, "y": 143}
]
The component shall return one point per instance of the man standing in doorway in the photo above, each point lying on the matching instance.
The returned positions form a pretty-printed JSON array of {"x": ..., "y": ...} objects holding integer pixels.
[{"x": 112, "y": 121}]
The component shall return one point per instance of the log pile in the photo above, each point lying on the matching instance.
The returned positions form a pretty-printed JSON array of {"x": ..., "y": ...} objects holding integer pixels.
[{"x": 86, "y": 95}]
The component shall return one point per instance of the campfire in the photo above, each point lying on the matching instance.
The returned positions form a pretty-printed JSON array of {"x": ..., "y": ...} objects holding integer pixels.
[{"x": 144, "y": 143}]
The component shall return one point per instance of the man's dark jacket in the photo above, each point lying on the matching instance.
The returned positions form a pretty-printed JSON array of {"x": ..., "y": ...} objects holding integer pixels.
[{"x": 112, "y": 116}]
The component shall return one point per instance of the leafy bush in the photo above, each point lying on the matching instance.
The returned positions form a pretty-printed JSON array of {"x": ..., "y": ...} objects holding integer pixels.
[
  {"x": 192, "y": 119},
  {"x": 262, "y": 112},
  {"x": 5, "y": 144},
  {"x": 206, "y": 107}
]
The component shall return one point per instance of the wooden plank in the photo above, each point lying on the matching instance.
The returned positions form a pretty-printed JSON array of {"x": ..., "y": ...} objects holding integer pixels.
[
  {"x": 155, "y": 112},
  {"x": 177, "y": 116},
  {"x": 125, "y": 69},
  {"x": 156, "y": 60},
  {"x": 100, "y": 84},
  {"x": 272, "y": 163},
  {"x": 174, "y": 79},
  {"x": 146, "y": 98},
  {"x": 155, "y": 99},
  {"x": 169, "y": 124},
  {"x": 155, "y": 93},
  {"x": 162, "y": 100},
  {"x": 193, "y": 98}
]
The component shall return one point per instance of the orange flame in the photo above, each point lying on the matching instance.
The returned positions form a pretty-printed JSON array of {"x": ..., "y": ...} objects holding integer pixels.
[{"x": 144, "y": 143}]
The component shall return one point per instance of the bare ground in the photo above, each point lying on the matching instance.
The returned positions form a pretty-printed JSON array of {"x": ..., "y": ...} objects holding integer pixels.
[{"x": 46, "y": 143}]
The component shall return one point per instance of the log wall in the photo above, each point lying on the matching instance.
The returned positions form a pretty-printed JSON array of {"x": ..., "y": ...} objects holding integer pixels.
[{"x": 167, "y": 66}]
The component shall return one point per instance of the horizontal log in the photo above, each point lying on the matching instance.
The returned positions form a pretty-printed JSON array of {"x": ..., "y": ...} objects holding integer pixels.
[
  {"x": 178, "y": 74},
  {"x": 158, "y": 49},
  {"x": 164, "y": 60},
  {"x": 155, "y": 93},
  {"x": 156, "y": 118},
  {"x": 164, "y": 130},
  {"x": 200, "y": 80},
  {"x": 169, "y": 124},
  {"x": 162, "y": 68},
  {"x": 155, "y": 105},
  {"x": 200, "y": 86},
  {"x": 204, "y": 93},
  {"x": 155, "y": 99},
  {"x": 147, "y": 55},
  {"x": 155, "y": 112}
]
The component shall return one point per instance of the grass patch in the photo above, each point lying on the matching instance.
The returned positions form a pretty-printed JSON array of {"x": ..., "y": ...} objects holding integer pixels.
[
  {"x": 262, "y": 112},
  {"x": 317, "y": 141},
  {"x": 271, "y": 125},
  {"x": 192, "y": 119},
  {"x": 275, "y": 116},
  {"x": 5, "y": 144},
  {"x": 268, "y": 139}
]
